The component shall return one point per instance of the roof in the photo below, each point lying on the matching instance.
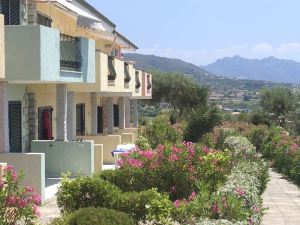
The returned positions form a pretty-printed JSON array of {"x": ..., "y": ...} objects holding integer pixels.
[
  {"x": 126, "y": 40},
  {"x": 94, "y": 10}
]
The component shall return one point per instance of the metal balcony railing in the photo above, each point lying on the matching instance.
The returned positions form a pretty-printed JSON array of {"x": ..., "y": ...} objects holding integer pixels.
[
  {"x": 70, "y": 54},
  {"x": 149, "y": 85},
  {"x": 137, "y": 80},
  {"x": 127, "y": 77},
  {"x": 111, "y": 69}
]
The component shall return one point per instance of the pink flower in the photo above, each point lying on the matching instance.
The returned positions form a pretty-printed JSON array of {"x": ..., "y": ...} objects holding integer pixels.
[
  {"x": 149, "y": 154},
  {"x": 173, "y": 157},
  {"x": 135, "y": 163},
  {"x": 192, "y": 196},
  {"x": 28, "y": 189},
  {"x": 36, "y": 211},
  {"x": 177, "y": 203},
  {"x": 240, "y": 191},
  {"x": 205, "y": 149},
  {"x": 255, "y": 209},
  {"x": 215, "y": 208}
]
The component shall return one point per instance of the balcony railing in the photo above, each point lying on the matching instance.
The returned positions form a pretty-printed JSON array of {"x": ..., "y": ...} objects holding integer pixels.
[
  {"x": 111, "y": 69},
  {"x": 149, "y": 85},
  {"x": 127, "y": 77},
  {"x": 137, "y": 80},
  {"x": 70, "y": 54}
]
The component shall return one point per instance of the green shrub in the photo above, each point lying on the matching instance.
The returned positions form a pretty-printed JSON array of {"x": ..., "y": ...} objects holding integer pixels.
[
  {"x": 95, "y": 216},
  {"x": 142, "y": 142},
  {"x": 200, "y": 121},
  {"x": 257, "y": 136},
  {"x": 160, "y": 131},
  {"x": 83, "y": 192}
]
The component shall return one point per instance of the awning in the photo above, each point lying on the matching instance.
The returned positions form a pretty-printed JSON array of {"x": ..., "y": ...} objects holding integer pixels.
[{"x": 84, "y": 19}]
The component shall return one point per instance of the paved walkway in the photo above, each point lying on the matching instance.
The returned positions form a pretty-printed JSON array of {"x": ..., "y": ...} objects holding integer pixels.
[
  {"x": 283, "y": 200},
  {"x": 48, "y": 212}
]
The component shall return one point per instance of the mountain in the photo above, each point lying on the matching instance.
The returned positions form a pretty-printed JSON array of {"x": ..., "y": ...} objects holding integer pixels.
[
  {"x": 269, "y": 69},
  {"x": 152, "y": 62},
  {"x": 217, "y": 83}
]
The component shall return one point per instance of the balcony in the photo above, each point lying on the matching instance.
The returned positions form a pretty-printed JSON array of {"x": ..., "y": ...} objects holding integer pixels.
[
  {"x": 39, "y": 54},
  {"x": 116, "y": 76}
]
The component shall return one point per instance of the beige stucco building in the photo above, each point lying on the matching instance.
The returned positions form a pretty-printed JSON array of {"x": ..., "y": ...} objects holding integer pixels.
[{"x": 67, "y": 97}]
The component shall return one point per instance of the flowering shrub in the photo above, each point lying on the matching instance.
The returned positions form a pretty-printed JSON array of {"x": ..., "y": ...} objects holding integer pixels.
[
  {"x": 17, "y": 203},
  {"x": 240, "y": 147},
  {"x": 284, "y": 151},
  {"x": 171, "y": 169}
]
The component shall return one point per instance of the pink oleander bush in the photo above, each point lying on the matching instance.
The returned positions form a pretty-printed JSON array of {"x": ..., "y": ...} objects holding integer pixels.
[
  {"x": 18, "y": 203},
  {"x": 172, "y": 169}
]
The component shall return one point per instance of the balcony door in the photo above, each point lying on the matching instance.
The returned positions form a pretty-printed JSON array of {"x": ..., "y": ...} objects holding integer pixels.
[
  {"x": 80, "y": 119},
  {"x": 116, "y": 115},
  {"x": 15, "y": 126},
  {"x": 45, "y": 123},
  {"x": 99, "y": 120}
]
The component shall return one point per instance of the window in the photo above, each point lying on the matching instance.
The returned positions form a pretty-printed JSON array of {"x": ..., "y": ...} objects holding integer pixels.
[
  {"x": 44, "y": 20},
  {"x": 127, "y": 77},
  {"x": 11, "y": 11},
  {"x": 70, "y": 55},
  {"x": 111, "y": 69}
]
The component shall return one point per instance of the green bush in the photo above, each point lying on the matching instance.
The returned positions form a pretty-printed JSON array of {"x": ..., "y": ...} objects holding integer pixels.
[
  {"x": 240, "y": 147},
  {"x": 95, "y": 216},
  {"x": 160, "y": 131},
  {"x": 200, "y": 121},
  {"x": 83, "y": 192}
]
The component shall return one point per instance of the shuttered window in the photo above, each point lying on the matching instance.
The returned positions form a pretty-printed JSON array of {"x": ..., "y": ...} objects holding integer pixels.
[{"x": 11, "y": 11}]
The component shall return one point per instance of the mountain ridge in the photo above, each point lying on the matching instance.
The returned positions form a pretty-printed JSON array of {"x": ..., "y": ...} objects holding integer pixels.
[{"x": 268, "y": 68}]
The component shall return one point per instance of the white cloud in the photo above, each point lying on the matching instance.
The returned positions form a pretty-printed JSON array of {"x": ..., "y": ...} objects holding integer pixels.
[
  {"x": 204, "y": 56},
  {"x": 262, "y": 47}
]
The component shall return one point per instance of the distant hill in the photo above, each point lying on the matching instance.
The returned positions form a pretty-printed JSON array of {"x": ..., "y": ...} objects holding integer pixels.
[
  {"x": 217, "y": 83},
  {"x": 269, "y": 69},
  {"x": 152, "y": 62}
]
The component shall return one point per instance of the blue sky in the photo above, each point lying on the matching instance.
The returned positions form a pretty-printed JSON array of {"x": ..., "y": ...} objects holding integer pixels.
[{"x": 201, "y": 31}]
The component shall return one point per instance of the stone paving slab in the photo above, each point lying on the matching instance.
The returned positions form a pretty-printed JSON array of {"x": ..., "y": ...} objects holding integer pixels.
[
  {"x": 48, "y": 212},
  {"x": 282, "y": 198}
]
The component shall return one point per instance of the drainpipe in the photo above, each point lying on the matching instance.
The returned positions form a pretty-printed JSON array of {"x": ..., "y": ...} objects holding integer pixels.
[{"x": 113, "y": 44}]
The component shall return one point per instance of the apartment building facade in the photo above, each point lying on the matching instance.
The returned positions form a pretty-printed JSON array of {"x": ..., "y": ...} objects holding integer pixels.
[{"x": 67, "y": 96}]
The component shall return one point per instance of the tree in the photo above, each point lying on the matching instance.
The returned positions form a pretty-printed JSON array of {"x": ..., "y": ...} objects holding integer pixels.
[
  {"x": 200, "y": 121},
  {"x": 182, "y": 92},
  {"x": 278, "y": 102}
]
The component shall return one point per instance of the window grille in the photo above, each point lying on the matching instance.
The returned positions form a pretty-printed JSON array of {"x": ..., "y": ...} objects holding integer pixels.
[
  {"x": 111, "y": 69},
  {"x": 11, "y": 11},
  {"x": 127, "y": 77},
  {"x": 137, "y": 80}
]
